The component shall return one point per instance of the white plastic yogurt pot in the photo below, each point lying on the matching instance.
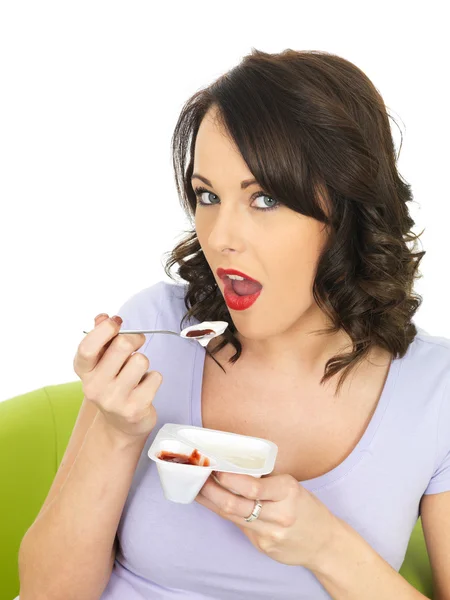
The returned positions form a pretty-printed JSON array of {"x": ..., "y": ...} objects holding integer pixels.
[
  {"x": 180, "y": 482},
  {"x": 226, "y": 452}
]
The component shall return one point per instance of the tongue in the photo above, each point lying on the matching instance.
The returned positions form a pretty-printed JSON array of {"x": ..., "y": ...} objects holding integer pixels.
[{"x": 246, "y": 287}]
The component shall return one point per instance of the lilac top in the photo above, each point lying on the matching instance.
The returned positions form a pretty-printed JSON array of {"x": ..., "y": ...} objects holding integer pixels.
[{"x": 172, "y": 551}]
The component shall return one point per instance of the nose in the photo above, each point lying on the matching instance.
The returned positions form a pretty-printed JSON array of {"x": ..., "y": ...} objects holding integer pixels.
[{"x": 227, "y": 229}]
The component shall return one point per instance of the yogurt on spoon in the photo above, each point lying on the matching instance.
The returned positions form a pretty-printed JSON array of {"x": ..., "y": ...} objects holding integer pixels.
[{"x": 205, "y": 331}]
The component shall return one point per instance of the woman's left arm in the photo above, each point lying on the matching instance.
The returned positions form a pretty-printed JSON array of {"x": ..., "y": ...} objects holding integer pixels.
[
  {"x": 351, "y": 569},
  {"x": 296, "y": 528}
]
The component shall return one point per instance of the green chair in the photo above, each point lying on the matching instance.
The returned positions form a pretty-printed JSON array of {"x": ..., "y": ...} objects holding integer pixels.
[{"x": 34, "y": 431}]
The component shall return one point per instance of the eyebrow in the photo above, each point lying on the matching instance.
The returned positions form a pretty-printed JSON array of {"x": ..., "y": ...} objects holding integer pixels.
[{"x": 244, "y": 184}]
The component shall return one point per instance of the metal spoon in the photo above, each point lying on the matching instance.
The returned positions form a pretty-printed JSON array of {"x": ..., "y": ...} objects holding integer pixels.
[
  {"x": 191, "y": 337},
  {"x": 218, "y": 328}
]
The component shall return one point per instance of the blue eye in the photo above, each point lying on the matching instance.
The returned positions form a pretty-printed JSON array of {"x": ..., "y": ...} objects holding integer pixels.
[{"x": 201, "y": 190}]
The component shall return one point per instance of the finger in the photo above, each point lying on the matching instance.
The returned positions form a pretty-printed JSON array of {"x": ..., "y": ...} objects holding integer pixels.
[
  {"x": 273, "y": 487},
  {"x": 204, "y": 498},
  {"x": 229, "y": 504},
  {"x": 99, "y": 319},
  {"x": 91, "y": 348},
  {"x": 122, "y": 351},
  {"x": 134, "y": 377}
]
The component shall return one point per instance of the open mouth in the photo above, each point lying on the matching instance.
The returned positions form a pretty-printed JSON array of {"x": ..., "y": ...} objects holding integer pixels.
[
  {"x": 242, "y": 287},
  {"x": 241, "y": 291}
]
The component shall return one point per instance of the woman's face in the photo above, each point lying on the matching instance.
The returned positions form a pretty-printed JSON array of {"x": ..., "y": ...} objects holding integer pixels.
[{"x": 278, "y": 247}]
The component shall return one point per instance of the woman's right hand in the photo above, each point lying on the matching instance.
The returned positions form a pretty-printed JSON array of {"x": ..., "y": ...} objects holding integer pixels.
[{"x": 116, "y": 380}]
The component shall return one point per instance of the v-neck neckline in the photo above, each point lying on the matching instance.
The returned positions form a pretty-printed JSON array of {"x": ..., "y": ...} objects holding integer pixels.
[{"x": 355, "y": 455}]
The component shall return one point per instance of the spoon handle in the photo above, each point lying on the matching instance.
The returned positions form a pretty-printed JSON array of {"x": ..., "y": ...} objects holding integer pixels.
[
  {"x": 144, "y": 331},
  {"x": 147, "y": 331}
]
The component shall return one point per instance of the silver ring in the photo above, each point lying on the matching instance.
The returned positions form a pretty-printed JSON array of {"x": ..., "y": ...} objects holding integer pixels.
[{"x": 255, "y": 512}]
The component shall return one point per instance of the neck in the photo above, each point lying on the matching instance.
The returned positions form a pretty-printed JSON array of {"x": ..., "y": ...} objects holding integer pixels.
[
  {"x": 295, "y": 353},
  {"x": 298, "y": 350}
]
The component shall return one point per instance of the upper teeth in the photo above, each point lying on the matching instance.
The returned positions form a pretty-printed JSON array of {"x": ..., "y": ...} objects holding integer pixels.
[{"x": 238, "y": 277}]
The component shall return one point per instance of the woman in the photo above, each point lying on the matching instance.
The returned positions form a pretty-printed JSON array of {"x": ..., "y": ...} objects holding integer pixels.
[{"x": 287, "y": 166}]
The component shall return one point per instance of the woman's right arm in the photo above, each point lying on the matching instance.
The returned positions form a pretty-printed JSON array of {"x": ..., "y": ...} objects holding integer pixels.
[{"x": 68, "y": 552}]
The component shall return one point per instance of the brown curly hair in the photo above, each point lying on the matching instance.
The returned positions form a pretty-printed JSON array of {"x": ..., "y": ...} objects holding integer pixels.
[{"x": 307, "y": 122}]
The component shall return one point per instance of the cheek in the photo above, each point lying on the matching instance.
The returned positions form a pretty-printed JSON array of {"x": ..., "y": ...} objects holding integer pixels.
[
  {"x": 201, "y": 229},
  {"x": 297, "y": 256},
  {"x": 294, "y": 265}
]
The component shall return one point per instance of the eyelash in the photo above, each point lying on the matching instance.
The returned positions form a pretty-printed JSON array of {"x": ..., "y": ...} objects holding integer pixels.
[{"x": 200, "y": 190}]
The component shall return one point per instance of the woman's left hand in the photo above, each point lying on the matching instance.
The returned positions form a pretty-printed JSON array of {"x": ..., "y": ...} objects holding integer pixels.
[{"x": 294, "y": 527}]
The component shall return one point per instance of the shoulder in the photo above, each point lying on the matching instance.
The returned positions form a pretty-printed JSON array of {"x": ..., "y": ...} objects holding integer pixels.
[
  {"x": 433, "y": 341},
  {"x": 422, "y": 382},
  {"x": 428, "y": 356},
  {"x": 431, "y": 363},
  {"x": 161, "y": 303},
  {"x": 157, "y": 292}
]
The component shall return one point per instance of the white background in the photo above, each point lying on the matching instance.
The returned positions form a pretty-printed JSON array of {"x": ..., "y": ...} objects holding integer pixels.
[{"x": 90, "y": 94}]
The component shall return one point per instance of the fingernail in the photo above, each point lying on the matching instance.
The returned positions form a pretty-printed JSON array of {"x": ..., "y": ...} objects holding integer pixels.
[
  {"x": 100, "y": 315},
  {"x": 117, "y": 319}
]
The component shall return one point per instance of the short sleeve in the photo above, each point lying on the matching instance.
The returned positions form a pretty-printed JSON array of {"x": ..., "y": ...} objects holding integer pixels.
[{"x": 440, "y": 481}]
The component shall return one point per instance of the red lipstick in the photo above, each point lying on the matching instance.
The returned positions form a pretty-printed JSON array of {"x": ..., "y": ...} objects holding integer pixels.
[{"x": 234, "y": 300}]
